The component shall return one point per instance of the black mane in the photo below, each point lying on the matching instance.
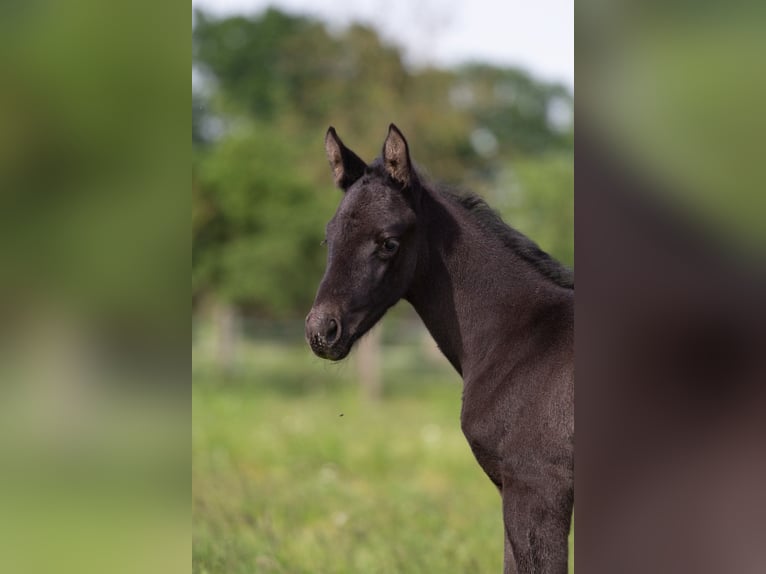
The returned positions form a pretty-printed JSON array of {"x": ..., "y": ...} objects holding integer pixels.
[{"x": 522, "y": 245}]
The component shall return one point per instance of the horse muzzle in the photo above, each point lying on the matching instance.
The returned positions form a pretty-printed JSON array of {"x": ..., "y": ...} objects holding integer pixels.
[{"x": 324, "y": 334}]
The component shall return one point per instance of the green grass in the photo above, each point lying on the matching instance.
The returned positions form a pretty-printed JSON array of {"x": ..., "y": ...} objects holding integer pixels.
[{"x": 294, "y": 473}]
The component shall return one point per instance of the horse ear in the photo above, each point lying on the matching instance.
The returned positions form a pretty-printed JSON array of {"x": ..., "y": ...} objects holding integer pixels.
[
  {"x": 346, "y": 166},
  {"x": 396, "y": 156}
]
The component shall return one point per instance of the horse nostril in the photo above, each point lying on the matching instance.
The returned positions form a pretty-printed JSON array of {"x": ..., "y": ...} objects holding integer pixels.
[{"x": 332, "y": 331}]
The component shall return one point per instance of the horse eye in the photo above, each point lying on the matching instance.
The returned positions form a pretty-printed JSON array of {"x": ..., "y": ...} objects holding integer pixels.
[{"x": 390, "y": 245}]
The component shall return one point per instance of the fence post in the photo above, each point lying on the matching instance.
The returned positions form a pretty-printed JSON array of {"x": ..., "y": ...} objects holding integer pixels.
[
  {"x": 226, "y": 336},
  {"x": 368, "y": 364}
]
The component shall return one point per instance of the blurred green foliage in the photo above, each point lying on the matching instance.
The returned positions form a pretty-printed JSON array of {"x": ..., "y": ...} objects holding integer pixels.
[
  {"x": 678, "y": 96},
  {"x": 265, "y": 89},
  {"x": 94, "y": 258},
  {"x": 91, "y": 147}
]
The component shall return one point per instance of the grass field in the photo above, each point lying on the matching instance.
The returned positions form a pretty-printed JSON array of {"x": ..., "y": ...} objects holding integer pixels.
[{"x": 294, "y": 473}]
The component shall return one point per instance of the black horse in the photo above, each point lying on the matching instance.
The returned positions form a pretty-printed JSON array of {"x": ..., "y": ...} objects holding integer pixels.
[{"x": 500, "y": 309}]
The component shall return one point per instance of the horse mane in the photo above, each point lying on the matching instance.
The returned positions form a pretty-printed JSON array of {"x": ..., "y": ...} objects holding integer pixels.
[{"x": 522, "y": 245}]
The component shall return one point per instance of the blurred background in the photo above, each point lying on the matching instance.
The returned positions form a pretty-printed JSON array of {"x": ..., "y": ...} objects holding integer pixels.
[
  {"x": 94, "y": 308},
  {"x": 671, "y": 320},
  {"x": 300, "y": 465}
]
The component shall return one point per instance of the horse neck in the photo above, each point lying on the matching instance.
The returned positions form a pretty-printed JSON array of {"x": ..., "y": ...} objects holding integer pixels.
[{"x": 473, "y": 293}]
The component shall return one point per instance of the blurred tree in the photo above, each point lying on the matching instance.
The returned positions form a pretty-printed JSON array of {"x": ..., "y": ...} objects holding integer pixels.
[
  {"x": 198, "y": 118},
  {"x": 246, "y": 57},
  {"x": 261, "y": 187},
  {"x": 534, "y": 194},
  {"x": 521, "y": 114},
  {"x": 257, "y": 224}
]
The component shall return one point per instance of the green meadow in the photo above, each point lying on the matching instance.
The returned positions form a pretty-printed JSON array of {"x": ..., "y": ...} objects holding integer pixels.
[{"x": 294, "y": 472}]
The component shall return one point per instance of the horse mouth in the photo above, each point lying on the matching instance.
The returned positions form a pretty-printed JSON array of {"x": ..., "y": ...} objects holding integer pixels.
[{"x": 338, "y": 351}]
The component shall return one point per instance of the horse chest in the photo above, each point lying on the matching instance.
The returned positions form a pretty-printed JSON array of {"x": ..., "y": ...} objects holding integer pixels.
[{"x": 485, "y": 428}]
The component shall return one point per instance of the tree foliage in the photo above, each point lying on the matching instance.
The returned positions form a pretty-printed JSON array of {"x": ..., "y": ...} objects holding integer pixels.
[{"x": 270, "y": 84}]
